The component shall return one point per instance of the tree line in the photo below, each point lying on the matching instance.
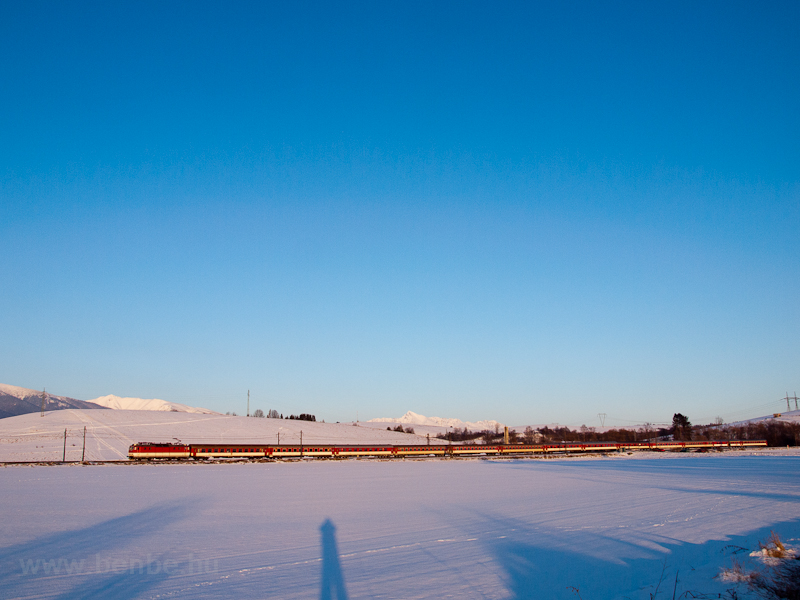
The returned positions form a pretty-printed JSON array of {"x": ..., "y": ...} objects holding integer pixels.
[
  {"x": 776, "y": 433},
  {"x": 274, "y": 414}
]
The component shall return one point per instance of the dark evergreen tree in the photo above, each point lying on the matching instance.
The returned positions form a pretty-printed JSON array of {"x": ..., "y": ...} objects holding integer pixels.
[{"x": 681, "y": 427}]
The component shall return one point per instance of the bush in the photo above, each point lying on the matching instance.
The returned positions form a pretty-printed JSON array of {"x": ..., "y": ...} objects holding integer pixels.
[{"x": 779, "y": 579}]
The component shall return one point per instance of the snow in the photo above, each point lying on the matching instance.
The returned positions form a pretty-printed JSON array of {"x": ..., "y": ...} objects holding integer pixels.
[
  {"x": 412, "y": 418},
  {"x": 789, "y": 416},
  {"x": 16, "y": 391},
  {"x": 109, "y": 433},
  {"x": 111, "y": 401},
  {"x": 118, "y": 403},
  {"x": 22, "y": 393},
  {"x": 492, "y": 529}
]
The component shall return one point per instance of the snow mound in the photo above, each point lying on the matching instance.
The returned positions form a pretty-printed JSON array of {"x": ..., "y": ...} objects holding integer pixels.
[
  {"x": 118, "y": 403},
  {"x": 412, "y": 418}
]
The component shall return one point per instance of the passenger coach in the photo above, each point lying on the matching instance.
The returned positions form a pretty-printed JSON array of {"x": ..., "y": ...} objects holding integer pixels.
[{"x": 178, "y": 451}]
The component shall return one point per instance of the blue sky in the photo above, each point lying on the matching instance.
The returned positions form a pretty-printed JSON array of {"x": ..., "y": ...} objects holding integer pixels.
[{"x": 529, "y": 212}]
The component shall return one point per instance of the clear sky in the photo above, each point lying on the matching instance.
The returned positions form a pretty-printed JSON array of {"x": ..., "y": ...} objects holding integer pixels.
[{"x": 529, "y": 212}]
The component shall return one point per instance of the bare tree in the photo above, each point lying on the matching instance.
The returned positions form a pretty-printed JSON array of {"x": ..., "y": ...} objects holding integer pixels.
[{"x": 529, "y": 435}]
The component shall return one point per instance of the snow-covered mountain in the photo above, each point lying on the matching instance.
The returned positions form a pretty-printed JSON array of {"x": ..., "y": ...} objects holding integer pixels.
[
  {"x": 118, "y": 403},
  {"x": 15, "y": 400},
  {"x": 412, "y": 418}
]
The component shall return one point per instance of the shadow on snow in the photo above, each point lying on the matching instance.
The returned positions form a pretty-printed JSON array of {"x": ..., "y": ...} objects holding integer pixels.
[
  {"x": 89, "y": 561},
  {"x": 538, "y": 564}
]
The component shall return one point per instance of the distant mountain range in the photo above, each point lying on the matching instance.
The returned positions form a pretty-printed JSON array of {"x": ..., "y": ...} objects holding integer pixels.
[
  {"x": 118, "y": 403},
  {"x": 20, "y": 401},
  {"x": 412, "y": 418},
  {"x": 16, "y": 400}
]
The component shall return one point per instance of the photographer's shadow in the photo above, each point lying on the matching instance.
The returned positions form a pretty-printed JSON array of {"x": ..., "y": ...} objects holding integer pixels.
[{"x": 332, "y": 579}]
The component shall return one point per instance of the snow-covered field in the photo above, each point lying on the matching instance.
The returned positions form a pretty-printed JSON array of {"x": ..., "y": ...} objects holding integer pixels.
[
  {"x": 32, "y": 437},
  {"x": 608, "y": 527}
]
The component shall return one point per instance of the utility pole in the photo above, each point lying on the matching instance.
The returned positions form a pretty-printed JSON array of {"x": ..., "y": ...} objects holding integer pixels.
[
  {"x": 83, "y": 453},
  {"x": 64, "y": 457},
  {"x": 301, "y": 443},
  {"x": 44, "y": 400},
  {"x": 279, "y": 438},
  {"x": 788, "y": 397},
  {"x": 248, "y": 403}
]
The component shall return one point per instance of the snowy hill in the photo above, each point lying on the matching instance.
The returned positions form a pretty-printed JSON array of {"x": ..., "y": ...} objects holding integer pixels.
[
  {"x": 412, "y": 418},
  {"x": 790, "y": 416},
  {"x": 118, "y": 403},
  {"x": 15, "y": 400},
  {"x": 110, "y": 432}
]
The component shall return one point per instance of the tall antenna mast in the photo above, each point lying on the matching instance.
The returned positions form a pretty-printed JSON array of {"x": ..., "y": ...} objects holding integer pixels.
[{"x": 248, "y": 403}]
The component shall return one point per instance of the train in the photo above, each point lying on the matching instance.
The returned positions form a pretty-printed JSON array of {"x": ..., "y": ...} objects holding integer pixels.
[{"x": 253, "y": 451}]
